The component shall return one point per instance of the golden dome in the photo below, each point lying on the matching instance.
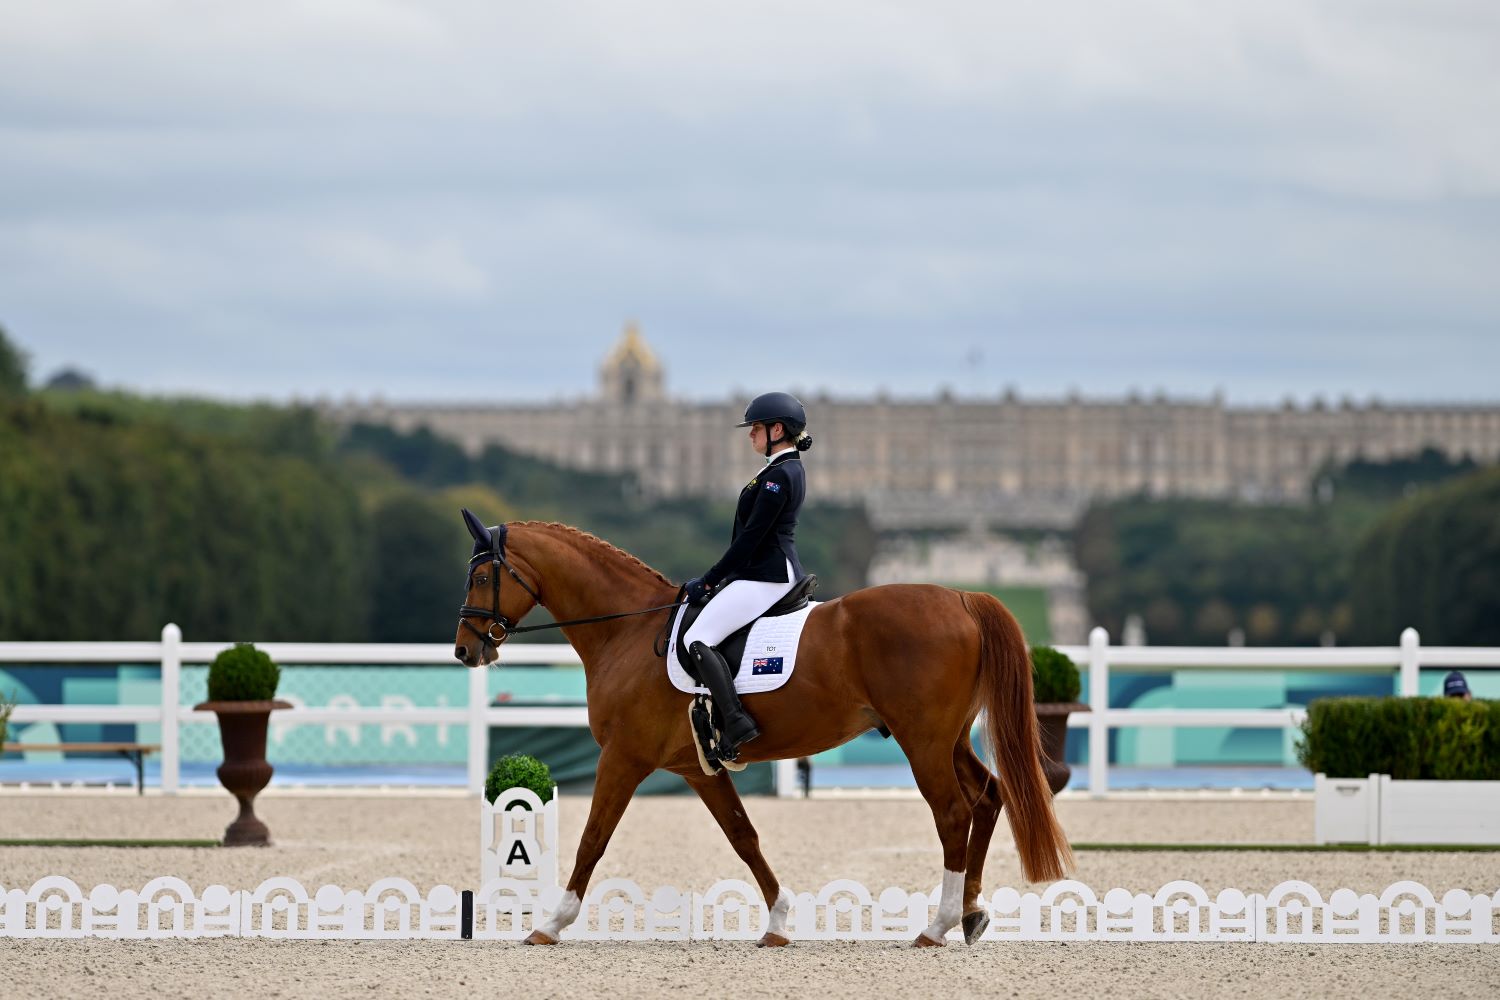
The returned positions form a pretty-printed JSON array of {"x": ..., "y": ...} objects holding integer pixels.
[{"x": 632, "y": 350}]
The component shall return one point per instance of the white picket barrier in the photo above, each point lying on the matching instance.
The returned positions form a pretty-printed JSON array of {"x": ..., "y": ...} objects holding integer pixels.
[
  {"x": 731, "y": 910},
  {"x": 519, "y": 889}
]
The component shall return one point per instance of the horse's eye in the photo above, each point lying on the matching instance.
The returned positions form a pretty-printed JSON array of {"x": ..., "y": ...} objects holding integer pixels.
[{"x": 481, "y": 580}]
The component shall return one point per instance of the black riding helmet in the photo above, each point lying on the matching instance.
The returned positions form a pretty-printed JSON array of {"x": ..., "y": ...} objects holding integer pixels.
[
  {"x": 769, "y": 407},
  {"x": 779, "y": 407}
]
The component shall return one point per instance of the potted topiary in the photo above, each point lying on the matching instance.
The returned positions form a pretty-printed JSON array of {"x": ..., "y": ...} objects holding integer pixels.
[
  {"x": 241, "y": 690},
  {"x": 519, "y": 770},
  {"x": 1055, "y": 687},
  {"x": 518, "y": 822}
]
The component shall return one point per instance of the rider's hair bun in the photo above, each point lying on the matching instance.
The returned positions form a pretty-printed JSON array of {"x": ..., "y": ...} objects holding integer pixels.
[{"x": 804, "y": 441}]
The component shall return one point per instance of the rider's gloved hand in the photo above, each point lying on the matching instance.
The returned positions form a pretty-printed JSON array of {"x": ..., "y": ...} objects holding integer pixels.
[{"x": 695, "y": 590}]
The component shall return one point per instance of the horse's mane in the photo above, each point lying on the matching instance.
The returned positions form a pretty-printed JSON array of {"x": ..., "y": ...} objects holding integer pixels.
[{"x": 596, "y": 541}]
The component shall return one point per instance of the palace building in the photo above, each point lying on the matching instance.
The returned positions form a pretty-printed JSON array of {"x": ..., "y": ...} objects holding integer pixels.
[{"x": 948, "y": 460}]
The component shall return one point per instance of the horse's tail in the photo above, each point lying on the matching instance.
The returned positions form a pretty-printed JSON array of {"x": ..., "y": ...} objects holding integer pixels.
[{"x": 1014, "y": 742}]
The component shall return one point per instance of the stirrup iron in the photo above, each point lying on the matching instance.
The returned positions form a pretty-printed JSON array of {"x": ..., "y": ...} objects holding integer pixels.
[{"x": 707, "y": 739}]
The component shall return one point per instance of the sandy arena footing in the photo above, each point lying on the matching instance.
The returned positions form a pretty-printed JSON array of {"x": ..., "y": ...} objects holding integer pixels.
[{"x": 353, "y": 840}]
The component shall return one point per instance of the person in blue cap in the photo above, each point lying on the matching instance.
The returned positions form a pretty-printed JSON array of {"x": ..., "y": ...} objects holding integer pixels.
[
  {"x": 1455, "y": 686},
  {"x": 761, "y": 564}
]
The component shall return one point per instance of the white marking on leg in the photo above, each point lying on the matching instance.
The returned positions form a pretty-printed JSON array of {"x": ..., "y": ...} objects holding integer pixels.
[
  {"x": 779, "y": 911},
  {"x": 565, "y": 914},
  {"x": 950, "y": 906}
]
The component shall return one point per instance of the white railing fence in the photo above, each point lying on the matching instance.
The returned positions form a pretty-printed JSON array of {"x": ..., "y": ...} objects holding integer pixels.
[
  {"x": 1405, "y": 660},
  {"x": 172, "y": 653}
]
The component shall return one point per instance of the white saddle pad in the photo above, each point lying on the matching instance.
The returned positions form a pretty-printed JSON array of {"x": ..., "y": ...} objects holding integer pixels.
[{"x": 770, "y": 654}]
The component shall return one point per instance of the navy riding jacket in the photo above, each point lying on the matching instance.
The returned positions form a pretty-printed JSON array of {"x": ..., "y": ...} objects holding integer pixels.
[{"x": 764, "y": 522}]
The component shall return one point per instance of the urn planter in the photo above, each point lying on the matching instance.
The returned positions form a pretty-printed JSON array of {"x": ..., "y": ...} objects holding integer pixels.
[
  {"x": 1052, "y": 719},
  {"x": 245, "y": 771}
]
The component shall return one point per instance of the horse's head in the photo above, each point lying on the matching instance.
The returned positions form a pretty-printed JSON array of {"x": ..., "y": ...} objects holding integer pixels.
[{"x": 491, "y": 609}]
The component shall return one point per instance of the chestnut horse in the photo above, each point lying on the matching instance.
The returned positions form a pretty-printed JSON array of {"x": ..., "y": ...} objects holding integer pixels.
[{"x": 923, "y": 660}]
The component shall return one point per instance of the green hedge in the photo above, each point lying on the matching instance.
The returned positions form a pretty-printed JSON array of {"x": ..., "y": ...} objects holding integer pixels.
[{"x": 1445, "y": 739}]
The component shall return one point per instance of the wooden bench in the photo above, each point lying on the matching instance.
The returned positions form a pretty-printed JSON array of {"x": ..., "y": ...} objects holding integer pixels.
[{"x": 135, "y": 752}]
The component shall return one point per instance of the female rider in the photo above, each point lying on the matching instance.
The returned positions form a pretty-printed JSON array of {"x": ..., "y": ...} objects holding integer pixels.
[{"x": 761, "y": 564}]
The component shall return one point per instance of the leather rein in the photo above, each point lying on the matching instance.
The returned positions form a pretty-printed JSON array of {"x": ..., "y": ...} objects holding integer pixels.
[{"x": 495, "y": 555}]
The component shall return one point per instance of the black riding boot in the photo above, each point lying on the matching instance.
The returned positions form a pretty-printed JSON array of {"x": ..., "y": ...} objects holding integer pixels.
[{"x": 738, "y": 726}]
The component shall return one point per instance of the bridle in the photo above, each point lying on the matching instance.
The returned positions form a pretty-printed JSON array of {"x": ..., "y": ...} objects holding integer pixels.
[{"x": 495, "y": 554}]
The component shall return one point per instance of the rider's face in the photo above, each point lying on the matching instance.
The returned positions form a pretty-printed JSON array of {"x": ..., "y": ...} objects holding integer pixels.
[{"x": 758, "y": 435}]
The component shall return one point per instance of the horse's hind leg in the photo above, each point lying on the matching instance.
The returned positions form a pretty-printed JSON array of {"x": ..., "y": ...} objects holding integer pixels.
[
  {"x": 932, "y": 765},
  {"x": 983, "y": 793},
  {"x": 614, "y": 783},
  {"x": 723, "y": 800}
]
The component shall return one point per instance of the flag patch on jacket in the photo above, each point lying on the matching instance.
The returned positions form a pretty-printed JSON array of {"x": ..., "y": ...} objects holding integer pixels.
[
  {"x": 773, "y": 487},
  {"x": 765, "y": 665}
]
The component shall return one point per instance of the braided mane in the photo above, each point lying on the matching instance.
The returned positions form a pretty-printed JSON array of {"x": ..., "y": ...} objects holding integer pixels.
[{"x": 597, "y": 541}]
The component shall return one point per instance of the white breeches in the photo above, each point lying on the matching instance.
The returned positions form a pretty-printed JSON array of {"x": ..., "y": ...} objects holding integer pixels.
[{"x": 734, "y": 606}]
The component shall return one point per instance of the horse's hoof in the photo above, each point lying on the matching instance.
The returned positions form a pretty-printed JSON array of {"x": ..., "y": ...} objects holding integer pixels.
[
  {"x": 770, "y": 940},
  {"x": 540, "y": 937},
  {"x": 923, "y": 941},
  {"x": 974, "y": 924}
]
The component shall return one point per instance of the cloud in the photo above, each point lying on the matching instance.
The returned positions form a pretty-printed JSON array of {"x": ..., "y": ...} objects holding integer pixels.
[{"x": 1274, "y": 197}]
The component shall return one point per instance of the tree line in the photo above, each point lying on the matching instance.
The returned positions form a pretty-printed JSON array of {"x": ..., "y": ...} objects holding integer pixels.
[
  {"x": 1413, "y": 541},
  {"x": 119, "y": 513},
  {"x": 111, "y": 527},
  {"x": 1433, "y": 562}
]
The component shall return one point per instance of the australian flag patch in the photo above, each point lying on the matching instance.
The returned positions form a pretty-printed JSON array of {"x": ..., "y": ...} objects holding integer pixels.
[
  {"x": 765, "y": 665},
  {"x": 773, "y": 487}
]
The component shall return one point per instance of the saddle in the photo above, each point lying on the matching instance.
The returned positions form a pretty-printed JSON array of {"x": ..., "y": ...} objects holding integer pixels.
[{"x": 733, "y": 648}]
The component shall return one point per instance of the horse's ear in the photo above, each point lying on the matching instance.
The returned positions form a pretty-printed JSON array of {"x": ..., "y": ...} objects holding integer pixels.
[{"x": 476, "y": 528}]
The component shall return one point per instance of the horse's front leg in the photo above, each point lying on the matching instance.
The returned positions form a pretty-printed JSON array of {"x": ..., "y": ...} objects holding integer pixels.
[
  {"x": 614, "y": 783},
  {"x": 723, "y": 800}
]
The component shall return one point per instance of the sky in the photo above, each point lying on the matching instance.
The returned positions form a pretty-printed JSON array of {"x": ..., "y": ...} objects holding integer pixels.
[{"x": 468, "y": 199}]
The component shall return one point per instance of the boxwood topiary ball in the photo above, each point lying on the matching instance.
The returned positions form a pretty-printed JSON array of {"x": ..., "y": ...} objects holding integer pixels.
[
  {"x": 1054, "y": 678},
  {"x": 518, "y": 770},
  {"x": 242, "y": 673}
]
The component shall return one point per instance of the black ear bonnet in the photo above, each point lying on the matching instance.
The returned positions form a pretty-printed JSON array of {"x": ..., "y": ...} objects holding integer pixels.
[
  {"x": 487, "y": 541},
  {"x": 493, "y": 545}
]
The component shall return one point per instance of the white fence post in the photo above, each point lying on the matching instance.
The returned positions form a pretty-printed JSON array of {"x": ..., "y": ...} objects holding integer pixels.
[
  {"x": 1098, "y": 713},
  {"x": 1411, "y": 645},
  {"x": 171, "y": 694},
  {"x": 786, "y": 778},
  {"x": 479, "y": 742}
]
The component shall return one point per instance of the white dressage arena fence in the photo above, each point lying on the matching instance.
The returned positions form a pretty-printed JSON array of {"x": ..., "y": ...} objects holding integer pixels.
[
  {"x": 731, "y": 910},
  {"x": 518, "y": 842},
  {"x": 1404, "y": 661}
]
